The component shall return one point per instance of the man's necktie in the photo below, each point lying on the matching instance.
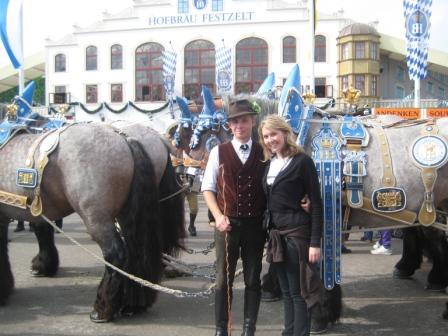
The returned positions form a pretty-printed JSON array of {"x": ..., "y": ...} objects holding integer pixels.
[{"x": 244, "y": 147}]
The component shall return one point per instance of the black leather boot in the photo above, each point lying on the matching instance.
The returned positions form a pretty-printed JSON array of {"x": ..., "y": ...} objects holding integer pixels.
[
  {"x": 221, "y": 313},
  {"x": 191, "y": 227},
  {"x": 20, "y": 226},
  {"x": 251, "y": 305}
]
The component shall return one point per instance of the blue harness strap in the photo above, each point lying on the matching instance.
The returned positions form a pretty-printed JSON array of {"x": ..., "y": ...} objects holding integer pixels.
[
  {"x": 327, "y": 158},
  {"x": 8, "y": 130},
  {"x": 354, "y": 137}
]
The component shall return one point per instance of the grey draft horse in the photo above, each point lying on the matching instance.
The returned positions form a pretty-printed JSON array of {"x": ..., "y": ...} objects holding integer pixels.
[{"x": 105, "y": 177}]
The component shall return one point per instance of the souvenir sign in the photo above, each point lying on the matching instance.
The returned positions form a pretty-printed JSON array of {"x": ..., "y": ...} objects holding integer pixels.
[
  {"x": 429, "y": 151},
  {"x": 389, "y": 199},
  {"x": 224, "y": 80},
  {"x": 26, "y": 178}
]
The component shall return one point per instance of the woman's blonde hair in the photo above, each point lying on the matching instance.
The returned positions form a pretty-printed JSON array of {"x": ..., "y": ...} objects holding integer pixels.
[{"x": 275, "y": 122}]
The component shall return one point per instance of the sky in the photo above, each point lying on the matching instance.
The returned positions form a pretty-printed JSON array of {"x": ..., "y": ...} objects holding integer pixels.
[{"x": 55, "y": 18}]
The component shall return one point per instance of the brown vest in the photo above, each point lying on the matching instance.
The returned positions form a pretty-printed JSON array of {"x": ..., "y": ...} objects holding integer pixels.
[{"x": 240, "y": 193}]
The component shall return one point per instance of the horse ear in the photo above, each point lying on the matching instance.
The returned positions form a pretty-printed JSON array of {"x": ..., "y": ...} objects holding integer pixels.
[
  {"x": 185, "y": 111},
  {"x": 209, "y": 105}
]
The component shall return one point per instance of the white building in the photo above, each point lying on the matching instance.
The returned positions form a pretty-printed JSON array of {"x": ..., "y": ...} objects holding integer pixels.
[{"x": 118, "y": 59}]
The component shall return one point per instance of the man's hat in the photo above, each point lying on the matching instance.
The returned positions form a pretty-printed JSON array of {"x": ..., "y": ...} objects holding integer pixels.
[{"x": 242, "y": 107}]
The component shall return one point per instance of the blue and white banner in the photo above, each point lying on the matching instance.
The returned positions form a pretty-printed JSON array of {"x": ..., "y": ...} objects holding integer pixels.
[
  {"x": 11, "y": 30},
  {"x": 169, "y": 59},
  {"x": 224, "y": 70},
  {"x": 417, "y": 15}
]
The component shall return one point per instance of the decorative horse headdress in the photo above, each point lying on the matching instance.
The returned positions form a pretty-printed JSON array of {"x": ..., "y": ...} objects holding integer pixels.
[
  {"x": 209, "y": 119},
  {"x": 186, "y": 119}
]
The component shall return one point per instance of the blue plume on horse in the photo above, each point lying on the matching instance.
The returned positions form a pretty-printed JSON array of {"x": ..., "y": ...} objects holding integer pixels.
[
  {"x": 267, "y": 85},
  {"x": 25, "y": 100},
  {"x": 209, "y": 104},
  {"x": 295, "y": 110},
  {"x": 185, "y": 116},
  {"x": 293, "y": 81},
  {"x": 208, "y": 118}
]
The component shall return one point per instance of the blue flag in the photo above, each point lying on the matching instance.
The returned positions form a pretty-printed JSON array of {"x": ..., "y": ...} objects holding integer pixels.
[
  {"x": 417, "y": 15},
  {"x": 11, "y": 30}
]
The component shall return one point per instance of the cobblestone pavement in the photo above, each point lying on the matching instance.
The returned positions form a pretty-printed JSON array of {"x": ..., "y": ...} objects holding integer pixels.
[{"x": 374, "y": 303}]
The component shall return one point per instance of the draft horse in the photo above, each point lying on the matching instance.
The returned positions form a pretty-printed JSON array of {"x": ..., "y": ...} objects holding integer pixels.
[{"x": 106, "y": 178}]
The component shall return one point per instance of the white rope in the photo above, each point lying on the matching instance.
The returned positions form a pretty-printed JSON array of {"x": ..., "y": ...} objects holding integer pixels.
[{"x": 146, "y": 283}]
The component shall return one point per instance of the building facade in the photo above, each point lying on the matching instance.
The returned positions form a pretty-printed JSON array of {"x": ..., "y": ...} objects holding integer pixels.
[{"x": 119, "y": 58}]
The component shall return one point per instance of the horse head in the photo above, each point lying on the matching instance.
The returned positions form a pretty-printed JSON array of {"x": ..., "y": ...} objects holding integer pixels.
[{"x": 210, "y": 130}]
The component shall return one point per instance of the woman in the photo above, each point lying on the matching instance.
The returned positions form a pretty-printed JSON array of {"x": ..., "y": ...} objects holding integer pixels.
[{"x": 294, "y": 238}]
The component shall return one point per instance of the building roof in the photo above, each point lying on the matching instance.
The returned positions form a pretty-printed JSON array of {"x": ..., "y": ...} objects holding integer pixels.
[
  {"x": 34, "y": 67},
  {"x": 358, "y": 29}
]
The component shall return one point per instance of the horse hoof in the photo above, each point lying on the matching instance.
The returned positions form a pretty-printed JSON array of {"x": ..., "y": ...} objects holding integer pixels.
[
  {"x": 131, "y": 311},
  {"x": 398, "y": 274},
  {"x": 192, "y": 231},
  {"x": 37, "y": 274},
  {"x": 435, "y": 287},
  {"x": 95, "y": 317}
]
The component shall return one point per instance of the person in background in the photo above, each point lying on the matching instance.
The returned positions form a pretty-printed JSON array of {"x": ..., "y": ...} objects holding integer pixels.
[
  {"x": 21, "y": 225},
  {"x": 233, "y": 193},
  {"x": 295, "y": 235},
  {"x": 384, "y": 245}
]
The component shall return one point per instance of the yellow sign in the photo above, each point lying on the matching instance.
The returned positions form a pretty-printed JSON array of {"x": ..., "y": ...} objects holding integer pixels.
[
  {"x": 437, "y": 113},
  {"x": 406, "y": 113}
]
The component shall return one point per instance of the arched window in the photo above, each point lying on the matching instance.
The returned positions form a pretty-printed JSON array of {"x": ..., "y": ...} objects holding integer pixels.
[
  {"x": 251, "y": 64},
  {"x": 289, "y": 49},
  {"x": 148, "y": 73},
  {"x": 59, "y": 63},
  {"x": 320, "y": 48},
  {"x": 199, "y": 67},
  {"x": 116, "y": 57},
  {"x": 91, "y": 58}
]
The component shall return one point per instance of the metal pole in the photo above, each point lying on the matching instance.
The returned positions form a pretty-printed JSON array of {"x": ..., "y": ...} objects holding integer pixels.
[
  {"x": 21, "y": 69},
  {"x": 311, "y": 29},
  {"x": 417, "y": 93}
]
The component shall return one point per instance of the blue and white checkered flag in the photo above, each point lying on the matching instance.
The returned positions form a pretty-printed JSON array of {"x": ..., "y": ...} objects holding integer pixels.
[
  {"x": 169, "y": 59},
  {"x": 417, "y": 15},
  {"x": 11, "y": 30},
  {"x": 224, "y": 70}
]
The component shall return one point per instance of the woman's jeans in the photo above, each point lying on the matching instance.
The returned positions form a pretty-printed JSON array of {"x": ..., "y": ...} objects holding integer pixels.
[{"x": 296, "y": 315}]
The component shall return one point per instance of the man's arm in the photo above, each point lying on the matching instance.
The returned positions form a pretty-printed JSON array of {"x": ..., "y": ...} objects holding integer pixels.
[{"x": 222, "y": 222}]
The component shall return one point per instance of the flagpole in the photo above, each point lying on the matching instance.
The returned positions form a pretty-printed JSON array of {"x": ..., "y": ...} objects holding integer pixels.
[
  {"x": 417, "y": 93},
  {"x": 311, "y": 29},
  {"x": 21, "y": 69}
]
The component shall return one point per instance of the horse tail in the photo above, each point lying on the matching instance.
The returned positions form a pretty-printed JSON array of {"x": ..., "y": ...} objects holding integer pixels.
[
  {"x": 140, "y": 228},
  {"x": 172, "y": 211},
  {"x": 6, "y": 277}
]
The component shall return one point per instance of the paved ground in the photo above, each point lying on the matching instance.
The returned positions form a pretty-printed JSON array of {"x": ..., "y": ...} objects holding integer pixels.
[{"x": 374, "y": 303}]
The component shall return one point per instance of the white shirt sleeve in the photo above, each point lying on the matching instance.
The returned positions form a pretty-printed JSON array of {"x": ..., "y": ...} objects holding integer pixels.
[{"x": 211, "y": 171}]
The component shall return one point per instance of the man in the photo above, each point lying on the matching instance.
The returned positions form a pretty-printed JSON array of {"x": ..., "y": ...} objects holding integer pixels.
[{"x": 233, "y": 192}]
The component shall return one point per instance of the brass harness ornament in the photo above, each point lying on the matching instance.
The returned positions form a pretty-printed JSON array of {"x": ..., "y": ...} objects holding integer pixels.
[{"x": 429, "y": 152}]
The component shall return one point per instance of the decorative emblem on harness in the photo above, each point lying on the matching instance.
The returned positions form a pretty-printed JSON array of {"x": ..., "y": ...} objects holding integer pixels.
[
  {"x": 429, "y": 151},
  {"x": 389, "y": 199},
  {"x": 26, "y": 177}
]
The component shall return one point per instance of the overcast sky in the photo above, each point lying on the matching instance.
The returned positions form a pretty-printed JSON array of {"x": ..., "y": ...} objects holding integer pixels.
[{"x": 55, "y": 18}]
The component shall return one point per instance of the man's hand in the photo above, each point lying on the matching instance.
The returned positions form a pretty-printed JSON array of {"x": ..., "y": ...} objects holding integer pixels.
[
  {"x": 314, "y": 255},
  {"x": 223, "y": 223},
  {"x": 305, "y": 203}
]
